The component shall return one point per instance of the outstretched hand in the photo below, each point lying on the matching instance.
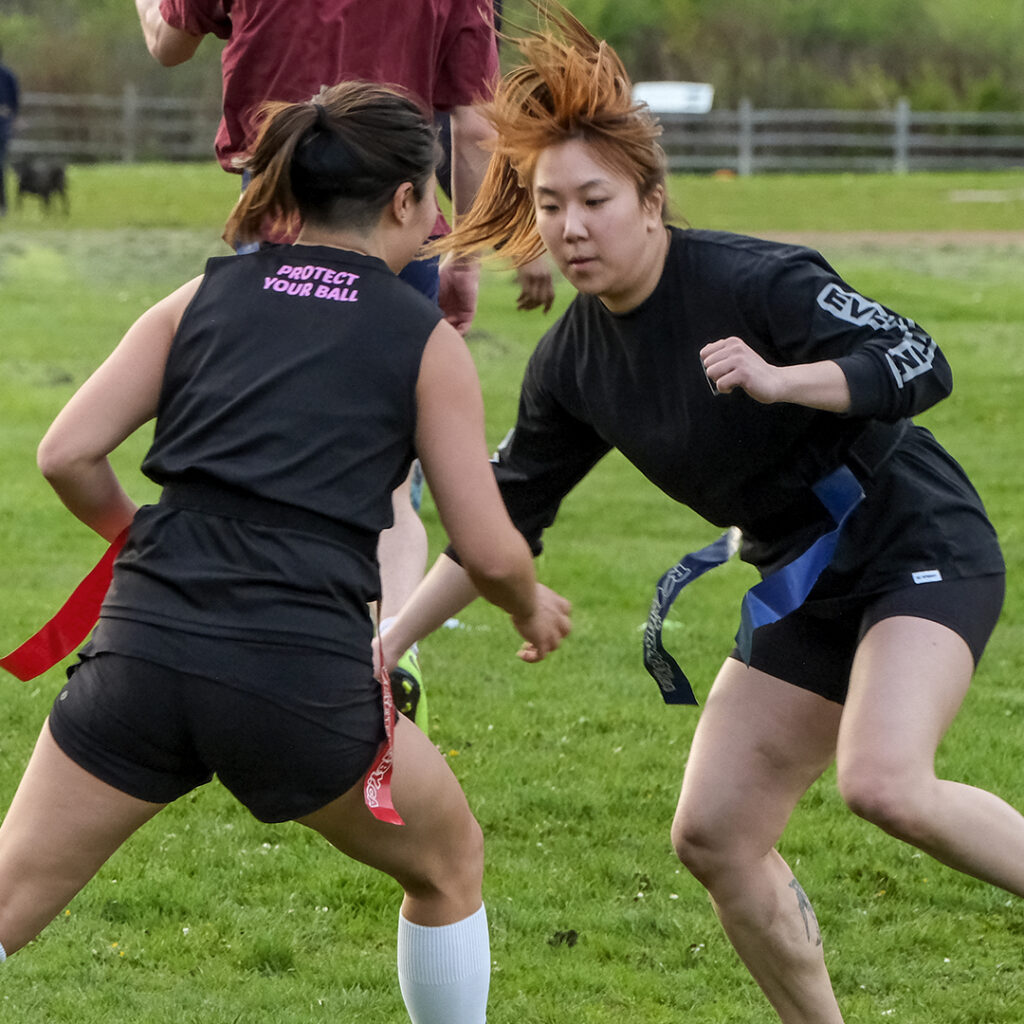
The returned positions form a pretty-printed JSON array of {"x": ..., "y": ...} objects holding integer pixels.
[
  {"x": 546, "y": 628},
  {"x": 457, "y": 294},
  {"x": 536, "y": 287},
  {"x": 731, "y": 363}
]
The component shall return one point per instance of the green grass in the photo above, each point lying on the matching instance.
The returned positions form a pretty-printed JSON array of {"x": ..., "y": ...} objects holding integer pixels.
[
  {"x": 572, "y": 766},
  {"x": 853, "y": 202}
]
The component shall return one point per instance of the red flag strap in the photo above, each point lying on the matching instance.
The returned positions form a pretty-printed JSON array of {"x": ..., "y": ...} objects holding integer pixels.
[
  {"x": 70, "y": 626},
  {"x": 377, "y": 785}
]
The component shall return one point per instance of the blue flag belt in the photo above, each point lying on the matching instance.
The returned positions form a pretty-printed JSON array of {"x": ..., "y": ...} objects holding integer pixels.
[{"x": 776, "y": 595}]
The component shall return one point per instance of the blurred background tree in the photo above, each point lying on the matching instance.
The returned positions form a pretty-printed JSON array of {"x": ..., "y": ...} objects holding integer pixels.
[
  {"x": 861, "y": 54},
  {"x": 95, "y": 46}
]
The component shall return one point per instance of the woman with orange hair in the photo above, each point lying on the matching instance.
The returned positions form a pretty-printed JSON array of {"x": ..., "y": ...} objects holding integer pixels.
[{"x": 748, "y": 381}]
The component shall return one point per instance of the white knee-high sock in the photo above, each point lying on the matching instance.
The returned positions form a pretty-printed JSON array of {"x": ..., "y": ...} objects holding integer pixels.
[
  {"x": 445, "y": 972},
  {"x": 3, "y": 953}
]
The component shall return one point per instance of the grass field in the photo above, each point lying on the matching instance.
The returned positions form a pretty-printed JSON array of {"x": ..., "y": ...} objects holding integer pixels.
[{"x": 572, "y": 766}]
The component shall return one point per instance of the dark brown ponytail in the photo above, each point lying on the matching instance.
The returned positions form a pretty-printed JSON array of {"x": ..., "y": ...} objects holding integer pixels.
[{"x": 333, "y": 161}]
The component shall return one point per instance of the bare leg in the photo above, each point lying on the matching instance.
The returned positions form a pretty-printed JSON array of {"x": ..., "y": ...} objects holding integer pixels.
[
  {"x": 908, "y": 681},
  {"x": 437, "y": 855},
  {"x": 62, "y": 825},
  {"x": 759, "y": 745},
  {"x": 402, "y": 553},
  {"x": 444, "y": 960}
]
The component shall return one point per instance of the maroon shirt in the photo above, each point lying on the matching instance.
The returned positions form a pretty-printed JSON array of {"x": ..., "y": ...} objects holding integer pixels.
[{"x": 443, "y": 51}]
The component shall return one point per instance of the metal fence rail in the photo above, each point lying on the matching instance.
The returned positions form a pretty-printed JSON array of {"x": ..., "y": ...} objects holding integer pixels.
[
  {"x": 130, "y": 127},
  {"x": 751, "y": 141}
]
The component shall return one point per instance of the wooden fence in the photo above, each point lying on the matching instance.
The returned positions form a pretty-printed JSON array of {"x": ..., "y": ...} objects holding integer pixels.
[
  {"x": 126, "y": 128},
  {"x": 130, "y": 127}
]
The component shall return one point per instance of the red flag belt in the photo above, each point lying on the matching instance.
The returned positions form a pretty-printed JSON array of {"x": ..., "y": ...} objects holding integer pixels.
[
  {"x": 377, "y": 784},
  {"x": 70, "y": 626}
]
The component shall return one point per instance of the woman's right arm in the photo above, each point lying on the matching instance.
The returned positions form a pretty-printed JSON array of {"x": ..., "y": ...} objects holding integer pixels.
[
  {"x": 117, "y": 399},
  {"x": 167, "y": 44},
  {"x": 496, "y": 560}
]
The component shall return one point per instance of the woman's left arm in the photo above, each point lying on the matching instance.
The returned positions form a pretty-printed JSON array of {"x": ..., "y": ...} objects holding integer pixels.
[
  {"x": 818, "y": 343},
  {"x": 114, "y": 402},
  {"x": 731, "y": 363}
]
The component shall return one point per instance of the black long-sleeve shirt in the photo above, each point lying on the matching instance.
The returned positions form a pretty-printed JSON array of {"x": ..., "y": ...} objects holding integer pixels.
[{"x": 634, "y": 381}]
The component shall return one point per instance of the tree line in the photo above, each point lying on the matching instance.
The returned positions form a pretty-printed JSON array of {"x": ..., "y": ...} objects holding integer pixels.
[{"x": 857, "y": 54}]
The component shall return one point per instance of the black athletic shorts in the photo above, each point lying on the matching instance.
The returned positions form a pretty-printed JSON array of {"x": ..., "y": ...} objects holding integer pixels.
[
  {"x": 813, "y": 646},
  {"x": 156, "y": 733}
]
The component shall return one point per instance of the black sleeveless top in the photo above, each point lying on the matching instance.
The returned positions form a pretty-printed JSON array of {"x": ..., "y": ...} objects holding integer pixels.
[{"x": 291, "y": 385}]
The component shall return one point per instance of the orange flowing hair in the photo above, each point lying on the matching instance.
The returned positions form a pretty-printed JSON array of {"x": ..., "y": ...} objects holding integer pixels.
[{"x": 572, "y": 86}]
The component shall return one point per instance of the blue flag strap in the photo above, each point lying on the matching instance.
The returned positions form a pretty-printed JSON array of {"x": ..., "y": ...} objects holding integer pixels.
[
  {"x": 787, "y": 588},
  {"x": 675, "y": 687},
  {"x": 768, "y": 601}
]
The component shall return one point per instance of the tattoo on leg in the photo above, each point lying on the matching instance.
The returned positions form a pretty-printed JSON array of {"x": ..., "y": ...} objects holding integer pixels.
[{"x": 807, "y": 911}]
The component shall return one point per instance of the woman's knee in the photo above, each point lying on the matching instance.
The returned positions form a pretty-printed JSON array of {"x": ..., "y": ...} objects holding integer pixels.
[
  {"x": 891, "y": 797},
  {"x": 453, "y": 867},
  {"x": 702, "y": 846}
]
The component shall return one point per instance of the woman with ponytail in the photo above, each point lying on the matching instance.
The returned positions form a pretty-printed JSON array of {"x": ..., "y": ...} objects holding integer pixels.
[
  {"x": 748, "y": 381},
  {"x": 291, "y": 389}
]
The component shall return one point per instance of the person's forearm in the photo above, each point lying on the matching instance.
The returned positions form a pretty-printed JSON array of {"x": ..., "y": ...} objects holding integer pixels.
[
  {"x": 445, "y": 590},
  {"x": 513, "y": 591},
  {"x": 816, "y": 385},
  {"x": 460, "y": 275},
  {"x": 168, "y": 45},
  {"x": 470, "y": 131},
  {"x": 93, "y": 494}
]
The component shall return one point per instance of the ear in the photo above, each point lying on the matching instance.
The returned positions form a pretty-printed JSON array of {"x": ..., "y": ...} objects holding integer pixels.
[
  {"x": 403, "y": 202},
  {"x": 653, "y": 203}
]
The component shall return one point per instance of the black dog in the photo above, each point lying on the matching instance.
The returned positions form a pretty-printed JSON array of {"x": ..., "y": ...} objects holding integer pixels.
[{"x": 42, "y": 178}]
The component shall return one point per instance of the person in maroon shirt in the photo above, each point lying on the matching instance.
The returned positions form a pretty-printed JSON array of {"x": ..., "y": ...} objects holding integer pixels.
[{"x": 443, "y": 51}]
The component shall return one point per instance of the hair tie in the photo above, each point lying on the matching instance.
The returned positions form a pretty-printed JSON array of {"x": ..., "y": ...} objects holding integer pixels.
[
  {"x": 324, "y": 162},
  {"x": 322, "y": 120}
]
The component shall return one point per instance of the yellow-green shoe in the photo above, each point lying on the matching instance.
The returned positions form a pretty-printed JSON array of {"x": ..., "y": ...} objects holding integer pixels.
[{"x": 407, "y": 686}]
